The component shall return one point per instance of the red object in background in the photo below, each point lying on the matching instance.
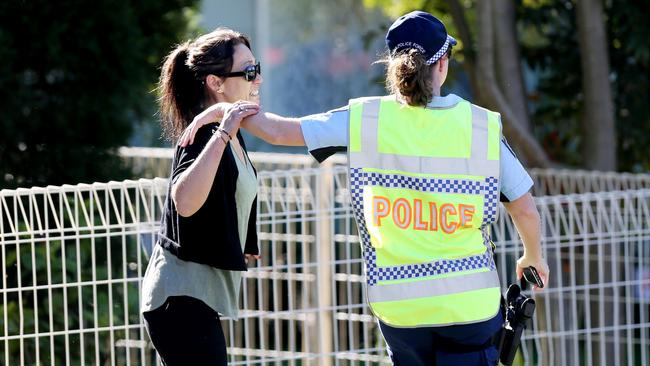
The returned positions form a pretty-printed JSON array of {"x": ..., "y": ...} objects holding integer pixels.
[
  {"x": 274, "y": 56},
  {"x": 345, "y": 63}
]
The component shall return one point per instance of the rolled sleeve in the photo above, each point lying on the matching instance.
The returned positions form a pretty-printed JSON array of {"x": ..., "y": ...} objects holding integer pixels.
[
  {"x": 515, "y": 181},
  {"x": 325, "y": 133}
]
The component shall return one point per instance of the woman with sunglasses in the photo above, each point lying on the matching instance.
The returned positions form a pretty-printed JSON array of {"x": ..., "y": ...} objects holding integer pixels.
[
  {"x": 208, "y": 228},
  {"x": 426, "y": 174}
]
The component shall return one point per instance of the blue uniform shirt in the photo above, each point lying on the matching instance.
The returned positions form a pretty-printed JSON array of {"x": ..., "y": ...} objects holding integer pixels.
[{"x": 327, "y": 133}]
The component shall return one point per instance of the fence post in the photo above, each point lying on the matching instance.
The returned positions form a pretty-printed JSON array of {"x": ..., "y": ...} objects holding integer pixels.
[{"x": 324, "y": 192}]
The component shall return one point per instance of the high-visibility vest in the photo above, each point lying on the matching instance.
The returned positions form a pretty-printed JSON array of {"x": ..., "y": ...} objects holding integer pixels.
[{"x": 424, "y": 184}]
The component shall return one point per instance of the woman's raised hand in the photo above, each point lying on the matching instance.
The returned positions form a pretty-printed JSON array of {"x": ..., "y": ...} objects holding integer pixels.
[{"x": 215, "y": 113}]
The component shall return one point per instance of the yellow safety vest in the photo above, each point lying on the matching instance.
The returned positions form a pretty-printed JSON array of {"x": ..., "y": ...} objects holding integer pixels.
[{"x": 424, "y": 184}]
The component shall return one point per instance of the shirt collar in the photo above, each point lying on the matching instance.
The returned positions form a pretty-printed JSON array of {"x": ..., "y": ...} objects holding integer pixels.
[{"x": 444, "y": 102}]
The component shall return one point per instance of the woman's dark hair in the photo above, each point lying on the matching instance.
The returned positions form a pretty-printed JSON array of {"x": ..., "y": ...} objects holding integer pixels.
[
  {"x": 409, "y": 76},
  {"x": 182, "y": 80}
]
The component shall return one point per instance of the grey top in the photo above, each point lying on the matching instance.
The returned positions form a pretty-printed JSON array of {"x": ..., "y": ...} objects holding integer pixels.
[
  {"x": 167, "y": 275},
  {"x": 326, "y": 133}
]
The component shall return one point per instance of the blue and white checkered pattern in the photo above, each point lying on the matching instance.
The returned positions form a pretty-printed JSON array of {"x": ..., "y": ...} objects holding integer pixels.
[
  {"x": 491, "y": 200},
  {"x": 488, "y": 244},
  {"x": 424, "y": 184},
  {"x": 359, "y": 179},
  {"x": 370, "y": 257},
  {"x": 439, "y": 54},
  {"x": 435, "y": 268},
  {"x": 491, "y": 192}
]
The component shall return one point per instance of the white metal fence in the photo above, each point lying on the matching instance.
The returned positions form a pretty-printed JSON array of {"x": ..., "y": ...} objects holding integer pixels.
[
  {"x": 152, "y": 162},
  {"x": 146, "y": 162},
  {"x": 73, "y": 256},
  {"x": 551, "y": 182}
]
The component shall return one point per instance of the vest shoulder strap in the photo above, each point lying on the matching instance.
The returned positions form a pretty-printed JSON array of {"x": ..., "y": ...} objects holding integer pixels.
[{"x": 362, "y": 100}]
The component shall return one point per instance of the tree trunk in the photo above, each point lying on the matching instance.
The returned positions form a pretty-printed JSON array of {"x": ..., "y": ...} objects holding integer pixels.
[
  {"x": 508, "y": 61},
  {"x": 520, "y": 137},
  {"x": 465, "y": 36},
  {"x": 598, "y": 126},
  {"x": 599, "y": 146}
]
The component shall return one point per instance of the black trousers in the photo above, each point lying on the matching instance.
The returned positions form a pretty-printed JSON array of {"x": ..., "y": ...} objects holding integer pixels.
[
  {"x": 186, "y": 331},
  {"x": 431, "y": 346}
]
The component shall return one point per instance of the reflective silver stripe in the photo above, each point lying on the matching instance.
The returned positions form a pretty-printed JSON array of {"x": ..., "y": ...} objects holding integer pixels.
[
  {"x": 479, "y": 134},
  {"x": 370, "y": 157},
  {"x": 369, "y": 126},
  {"x": 426, "y": 165},
  {"x": 433, "y": 287}
]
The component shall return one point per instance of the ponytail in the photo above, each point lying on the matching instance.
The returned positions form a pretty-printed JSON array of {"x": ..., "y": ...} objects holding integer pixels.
[
  {"x": 409, "y": 76},
  {"x": 181, "y": 93}
]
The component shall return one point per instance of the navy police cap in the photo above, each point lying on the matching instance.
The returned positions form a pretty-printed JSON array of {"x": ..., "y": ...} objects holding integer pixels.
[{"x": 421, "y": 31}]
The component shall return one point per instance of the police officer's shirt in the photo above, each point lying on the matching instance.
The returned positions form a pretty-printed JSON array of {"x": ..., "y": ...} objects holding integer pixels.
[{"x": 327, "y": 133}]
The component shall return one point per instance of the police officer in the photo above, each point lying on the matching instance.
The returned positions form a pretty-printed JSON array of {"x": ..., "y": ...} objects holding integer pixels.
[{"x": 426, "y": 176}]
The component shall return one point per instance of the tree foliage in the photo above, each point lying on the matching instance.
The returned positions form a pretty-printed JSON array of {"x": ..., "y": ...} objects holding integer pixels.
[
  {"x": 74, "y": 79},
  {"x": 547, "y": 34},
  {"x": 550, "y": 46}
]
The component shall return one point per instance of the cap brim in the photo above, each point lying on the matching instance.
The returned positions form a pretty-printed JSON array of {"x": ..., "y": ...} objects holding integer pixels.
[{"x": 452, "y": 40}]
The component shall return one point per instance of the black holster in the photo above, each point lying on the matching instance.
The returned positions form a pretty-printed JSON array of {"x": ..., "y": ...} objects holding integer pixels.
[{"x": 518, "y": 310}]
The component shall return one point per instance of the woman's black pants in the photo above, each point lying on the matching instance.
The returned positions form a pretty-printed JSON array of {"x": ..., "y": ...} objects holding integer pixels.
[{"x": 186, "y": 331}]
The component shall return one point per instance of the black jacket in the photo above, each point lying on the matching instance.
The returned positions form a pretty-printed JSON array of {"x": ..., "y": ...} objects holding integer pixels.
[{"x": 210, "y": 235}]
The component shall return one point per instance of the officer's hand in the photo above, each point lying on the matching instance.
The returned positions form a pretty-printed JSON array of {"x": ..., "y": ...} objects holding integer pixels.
[{"x": 540, "y": 265}]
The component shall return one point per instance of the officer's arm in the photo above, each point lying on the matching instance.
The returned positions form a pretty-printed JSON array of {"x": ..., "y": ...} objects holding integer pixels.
[
  {"x": 527, "y": 221},
  {"x": 274, "y": 129}
]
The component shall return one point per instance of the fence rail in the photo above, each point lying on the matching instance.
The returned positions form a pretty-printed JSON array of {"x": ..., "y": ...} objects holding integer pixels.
[
  {"x": 73, "y": 258},
  {"x": 156, "y": 162},
  {"x": 552, "y": 182}
]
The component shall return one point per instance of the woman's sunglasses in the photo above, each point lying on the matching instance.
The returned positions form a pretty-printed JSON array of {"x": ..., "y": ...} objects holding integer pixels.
[{"x": 249, "y": 73}]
